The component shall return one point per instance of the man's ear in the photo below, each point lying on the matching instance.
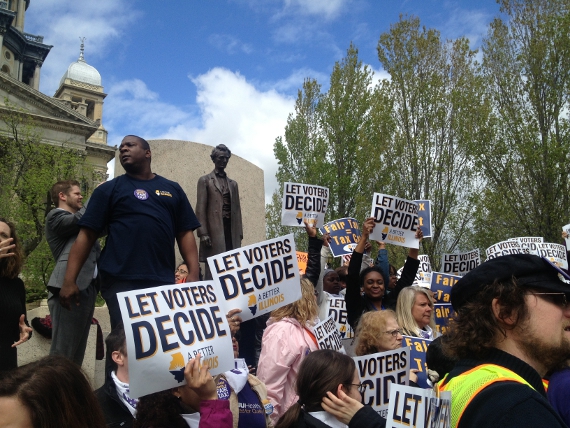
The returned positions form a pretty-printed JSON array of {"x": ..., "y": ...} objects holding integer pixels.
[
  {"x": 62, "y": 196},
  {"x": 500, "y": 314},
  {"x": 118, "y": 358}
]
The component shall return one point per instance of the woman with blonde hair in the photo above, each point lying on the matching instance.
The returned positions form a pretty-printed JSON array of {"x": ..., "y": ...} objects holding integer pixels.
[
  {"x": 414, "y": 312},
  {"x": 287, "y": 339},
  {"x": 377, "y": 332}
]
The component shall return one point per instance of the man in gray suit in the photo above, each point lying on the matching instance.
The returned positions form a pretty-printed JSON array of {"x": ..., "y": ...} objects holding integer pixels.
[
  {"x": 218, "y": 209},
  {"x": 70, "y": 327}
]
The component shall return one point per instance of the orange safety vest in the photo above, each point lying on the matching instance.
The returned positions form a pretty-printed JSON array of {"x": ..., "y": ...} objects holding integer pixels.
[{"x": 465, "y": 387}]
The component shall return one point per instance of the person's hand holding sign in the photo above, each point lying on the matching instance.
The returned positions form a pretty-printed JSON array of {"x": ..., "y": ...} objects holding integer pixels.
[
  {"x": 199, "y": 379},
  {"x": 311, "y": 230}
]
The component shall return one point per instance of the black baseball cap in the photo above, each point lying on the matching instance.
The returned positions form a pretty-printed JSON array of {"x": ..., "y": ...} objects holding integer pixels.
[{"x": 529, "y": 271}]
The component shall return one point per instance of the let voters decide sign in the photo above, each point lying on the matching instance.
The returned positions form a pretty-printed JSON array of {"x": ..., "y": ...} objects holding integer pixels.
[
  {"x": 461, "y": 263},
  {"x": 304, "y": 202},
  {"x": 258, "y": 278},
  {"x": 328, "y": 336},
  {"x": 167, "y": 326},
  {"x": 336, "y": 308},
  {"x": 416, "y": 407},
  {"x": 396, "y": 220},
  {"x": 378, "y": 372}
]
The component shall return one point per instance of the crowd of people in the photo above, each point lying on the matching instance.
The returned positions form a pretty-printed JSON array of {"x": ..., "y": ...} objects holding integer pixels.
[{"x": 511, "y": 330}]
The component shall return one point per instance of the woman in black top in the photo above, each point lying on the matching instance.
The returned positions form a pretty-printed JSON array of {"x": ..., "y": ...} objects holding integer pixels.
[
  {"x": 371, "y": 280},
  {"x": 13, "y": 329}
]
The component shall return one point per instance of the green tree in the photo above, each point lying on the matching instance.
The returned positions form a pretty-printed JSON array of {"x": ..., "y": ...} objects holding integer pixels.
[
  {"x": 526, "y": 60},
  {"x": 334, "y": 139},
  {"x": 28, "y": 169},
  {"x": 438, "y": 115}
]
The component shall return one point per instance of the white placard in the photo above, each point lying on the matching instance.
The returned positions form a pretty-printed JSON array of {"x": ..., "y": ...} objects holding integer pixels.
[
  {"x": 461, "y": 263},
  {"x": 556, "y": 253},
  {"x": 167, "y": 326},
  {"x": 378, "y": 372},
  {"x": 258, "y": 278},
  {"x": 423, "y": 276},
  {"x": 417, "y": 407},
  {"x": 336, "y": 307},
  {"x": 504, "y": 248},
  {"x": 328, "y": 336},
  {"x": 396, "y": 220},
  {"x": 304, "y": 202}
]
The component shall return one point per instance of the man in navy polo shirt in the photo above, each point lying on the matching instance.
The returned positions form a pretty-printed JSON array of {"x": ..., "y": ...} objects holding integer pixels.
[{"x": 142, "y": 214}]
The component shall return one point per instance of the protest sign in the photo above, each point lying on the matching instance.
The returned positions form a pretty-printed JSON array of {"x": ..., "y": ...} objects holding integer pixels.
[
  {"x": 530, "y": 242},
  {"x": 328, "y": 336},
  {"x": 336, "y": 307},
  {"x": 566, "y": 229},
  {"x": 167, "y": 326},
  {"x": 505, "y": 247},
  {"x": 302, "y": 259},
  {"x": 417, "y": 407},
  {"x": 258, "y": 278},
  {"x": 443, "y": 313},
  {"x": 461, "y": 263},
  {"x": 423, "y": 276},
  {"x": 304, "y": 202},
  {"x": 345, "y": 234},
  {"x": 396, "y": 221},
  {"x": 556, "y": 253},
  {"x": 418, "y": 348},
  {"x": 378, "y": 371},
  {"x": 424, "y": 217},
  {"x": 441, "y": 284}
]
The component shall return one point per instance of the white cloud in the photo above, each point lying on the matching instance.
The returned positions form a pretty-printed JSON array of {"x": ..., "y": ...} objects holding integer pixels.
[
  {"x": 329, "y": 9},
  {"x": 228, "y": 109},
  {"x": 62, "y": 22},
  {"x": 229, "y": 44},
  {"x": 234, "y": 112},
  {"x": 295, "y": 80}
]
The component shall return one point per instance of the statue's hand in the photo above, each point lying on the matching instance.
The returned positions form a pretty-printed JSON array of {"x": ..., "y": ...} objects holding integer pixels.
[{"x": 206, "y": 240}]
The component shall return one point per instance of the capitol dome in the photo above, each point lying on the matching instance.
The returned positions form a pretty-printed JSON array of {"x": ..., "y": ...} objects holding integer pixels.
[{"x": 82, "y": 72}]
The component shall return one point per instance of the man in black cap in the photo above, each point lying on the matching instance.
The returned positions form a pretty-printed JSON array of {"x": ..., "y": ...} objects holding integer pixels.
[{"x": 512, "y": 326}]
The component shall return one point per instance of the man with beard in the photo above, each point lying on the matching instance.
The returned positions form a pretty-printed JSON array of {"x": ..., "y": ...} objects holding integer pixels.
[
  {"x": 512, "y": 326},
  {"x": 144, "y": 214}
]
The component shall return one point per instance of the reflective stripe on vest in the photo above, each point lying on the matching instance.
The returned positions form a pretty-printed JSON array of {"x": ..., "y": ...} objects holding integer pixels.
[{"x": 466, "y": 386}]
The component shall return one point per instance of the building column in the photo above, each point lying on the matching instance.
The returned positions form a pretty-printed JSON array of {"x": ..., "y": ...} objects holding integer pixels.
[
  {"x": 36, "y": 79},
  {"x": 20, "y": 16}
]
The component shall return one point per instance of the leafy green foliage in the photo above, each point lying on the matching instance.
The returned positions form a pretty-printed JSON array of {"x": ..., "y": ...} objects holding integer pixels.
[{"x": 28, "y": 169}]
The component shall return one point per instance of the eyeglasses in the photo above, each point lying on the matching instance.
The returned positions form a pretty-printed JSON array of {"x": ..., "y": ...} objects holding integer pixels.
[
  {"x": 559, "y": 299},
  {"x": 361, "y": 386},
  {"x": 395, "y": 333},
  {"x": 182, "y": 271}
]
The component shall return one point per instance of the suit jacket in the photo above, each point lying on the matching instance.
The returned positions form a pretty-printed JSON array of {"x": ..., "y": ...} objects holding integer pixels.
[
  {"x": 61, "y": 232},
  {"x": 209, "y": 213}
]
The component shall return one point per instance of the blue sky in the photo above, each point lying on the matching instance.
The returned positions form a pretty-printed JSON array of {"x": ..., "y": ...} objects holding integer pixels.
[{"x": 224, "y": 71}]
